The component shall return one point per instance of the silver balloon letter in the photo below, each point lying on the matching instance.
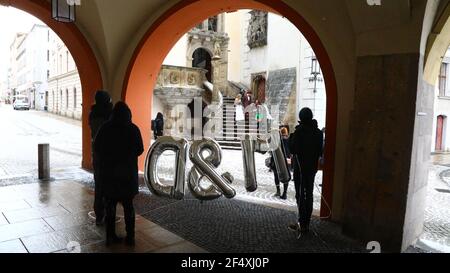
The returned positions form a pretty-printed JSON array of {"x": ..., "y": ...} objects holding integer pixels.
[
  {"x": 248, "y": 158},
  {"x": 205, "y": 167},
  {"x": 163, "y": 144},
  {"x": 279, "y": 156}
]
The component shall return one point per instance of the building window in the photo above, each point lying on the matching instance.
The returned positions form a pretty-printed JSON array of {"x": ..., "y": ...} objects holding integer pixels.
[
  {"x": 212, "y": 23},
  {"x": 443, "y": 80},
  {"x": 67, "y": 61},
  {"x": 60, "y": 100},
  {"x": 67, "y": 99},
  {"x": 74, "y": 99},
  {"x": 60, "y": 64},
  {"x": 48, "y": 55},
  {"x": 48, "y": 74}
]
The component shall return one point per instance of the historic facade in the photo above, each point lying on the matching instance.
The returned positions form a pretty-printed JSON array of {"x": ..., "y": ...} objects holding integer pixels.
[
  {"x": 64, "y": 95},
  {"x": 257, "y": 51},
  {"x": 441, "y": 131},
  {"x": 27, "y": 75}
]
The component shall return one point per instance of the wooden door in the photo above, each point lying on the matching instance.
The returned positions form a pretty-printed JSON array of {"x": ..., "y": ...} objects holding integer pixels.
[{"x": 439, "y": 133}]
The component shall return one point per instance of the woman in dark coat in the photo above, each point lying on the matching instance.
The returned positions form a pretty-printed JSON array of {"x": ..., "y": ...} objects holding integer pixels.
[
  {"x": 285, "y": 142},
  {"x": 100, "y": 113},
  {"x": 118, "y": 145},
  {"x": 159, "y": 125}
]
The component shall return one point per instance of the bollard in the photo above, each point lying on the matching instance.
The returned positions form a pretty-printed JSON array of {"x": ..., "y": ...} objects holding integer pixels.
[{"x": 44, "y": 161}]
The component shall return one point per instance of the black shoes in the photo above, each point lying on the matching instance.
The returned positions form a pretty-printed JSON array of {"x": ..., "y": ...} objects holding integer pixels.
[
  {"x": 299, "y": 230},
  {"x": 129, "y": 241},
  {"x": 113, "y": 240},
  {"x": 294, "y": 227},
  {"x": 278, "y": 192},
  {"x": 99, "y": 222}
]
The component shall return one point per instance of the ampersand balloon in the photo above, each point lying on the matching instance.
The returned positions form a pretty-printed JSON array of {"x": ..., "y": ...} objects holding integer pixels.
[{"x": 206, "y": 167}]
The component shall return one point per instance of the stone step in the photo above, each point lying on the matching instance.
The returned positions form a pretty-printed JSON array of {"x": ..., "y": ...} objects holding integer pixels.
[
  {"x": 239, "y": 127},
  {"x": 225, "y": 142}
]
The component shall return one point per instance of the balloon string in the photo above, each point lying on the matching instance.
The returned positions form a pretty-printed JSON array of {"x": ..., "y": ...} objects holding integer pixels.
[
  {"x": 321, "y": 196},
  {"x": 325, "y": 201}
]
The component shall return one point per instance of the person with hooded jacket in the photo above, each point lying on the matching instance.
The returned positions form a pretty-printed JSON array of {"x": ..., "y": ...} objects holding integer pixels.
[
  {"x": 119, "y": 144},
  {"x": 100, "y": 113},
  {"x": 306, "y": 145},
  {"x": 158, "y": 128}
]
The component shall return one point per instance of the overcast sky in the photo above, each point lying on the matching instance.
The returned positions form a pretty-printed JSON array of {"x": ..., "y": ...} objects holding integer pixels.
[{"x": 12, "y": 21}]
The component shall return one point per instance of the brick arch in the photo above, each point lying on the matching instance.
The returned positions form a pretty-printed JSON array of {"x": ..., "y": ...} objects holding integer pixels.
[
  {"x": 145, "y": 64},
  {"x": 88, "y": 68}
]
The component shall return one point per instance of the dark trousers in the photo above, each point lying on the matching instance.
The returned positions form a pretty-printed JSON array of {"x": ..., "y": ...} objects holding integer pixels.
[
  {"x": 99, "y": 200},
  {"x": 128, "y": 208},
  {"x": 304, "y": 185},
  {"x": 277, "y": 180}
]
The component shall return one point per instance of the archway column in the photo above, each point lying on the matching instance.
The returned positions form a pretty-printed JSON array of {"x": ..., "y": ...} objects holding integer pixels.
[{"x": 387, "y": 173}]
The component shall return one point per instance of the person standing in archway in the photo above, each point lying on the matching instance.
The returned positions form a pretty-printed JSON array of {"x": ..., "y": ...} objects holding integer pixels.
[
  {"x": 306, "y": 145},
  {"x": 100, "y": 113},
  {"x": 119, "y": 144},
  {"x": 285, "y": 142},
  {"x": 158, "y": 126}
]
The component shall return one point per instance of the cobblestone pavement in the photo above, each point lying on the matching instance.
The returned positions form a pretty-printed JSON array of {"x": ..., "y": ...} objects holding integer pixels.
[
  {"x": 232, "y": 163},
  {"x": 436, "y": 234}
]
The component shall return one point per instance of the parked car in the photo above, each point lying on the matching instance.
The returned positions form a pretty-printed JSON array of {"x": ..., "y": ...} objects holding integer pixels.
[{"x": 21, "y": 103}]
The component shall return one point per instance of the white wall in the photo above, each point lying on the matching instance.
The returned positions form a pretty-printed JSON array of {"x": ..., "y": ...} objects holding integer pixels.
[
  {"x": 233, "y": 27},
  {"x": 307, "y": 97},
  {"x": 157, "y": 107},
  {"x": 177, "y": 55}
]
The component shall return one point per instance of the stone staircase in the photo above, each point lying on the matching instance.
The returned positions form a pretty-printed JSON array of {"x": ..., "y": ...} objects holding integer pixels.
[{"x": 232, "y": 132}]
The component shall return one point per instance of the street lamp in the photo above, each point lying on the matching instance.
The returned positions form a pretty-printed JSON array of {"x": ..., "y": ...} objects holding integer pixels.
[
  {"x": 64, "y": 10},
  {"x": 315, "y": 76}
]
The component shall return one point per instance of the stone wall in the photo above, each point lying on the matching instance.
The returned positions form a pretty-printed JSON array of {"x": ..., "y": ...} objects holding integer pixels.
[
  {"x": 378, "y": 191},
  {"x": 281, "y": 91}
]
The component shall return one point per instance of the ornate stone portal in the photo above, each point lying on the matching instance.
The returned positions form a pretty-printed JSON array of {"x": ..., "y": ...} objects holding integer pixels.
[
  {"x": 216, "y": 44},
  {"x": 257, "y": 29},
  {"x": 178, "y": 86}
]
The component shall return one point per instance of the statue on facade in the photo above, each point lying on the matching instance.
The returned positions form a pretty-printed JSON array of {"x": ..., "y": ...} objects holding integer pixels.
[
  {"x": 217, "y": 50},
  {"x": 257, "y": 29}
]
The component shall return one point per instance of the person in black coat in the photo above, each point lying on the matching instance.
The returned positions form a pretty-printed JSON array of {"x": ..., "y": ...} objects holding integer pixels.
[
  {"x": 285, "y": 142},
  {"x": 118, "y": 144},
  {"x": 100, "y": 113},
  {"x": 158, "y": 128},
  {"x": 306, "y": 145}
]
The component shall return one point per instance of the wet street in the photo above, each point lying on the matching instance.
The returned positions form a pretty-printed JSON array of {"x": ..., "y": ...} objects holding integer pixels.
[{"x": 22, "y": 131}]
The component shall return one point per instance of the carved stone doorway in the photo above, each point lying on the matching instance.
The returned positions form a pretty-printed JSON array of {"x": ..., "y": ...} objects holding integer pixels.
[{"x": 202, "y": 59}]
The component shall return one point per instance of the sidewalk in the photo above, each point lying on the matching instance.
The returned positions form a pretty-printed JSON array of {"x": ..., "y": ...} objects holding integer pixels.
[
  {"x": 53, "y": 217},
  {"x": 46, "y": 217}
]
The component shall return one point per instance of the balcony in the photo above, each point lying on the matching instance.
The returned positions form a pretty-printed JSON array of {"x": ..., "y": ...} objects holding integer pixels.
[{"x": 179, "y": 85}]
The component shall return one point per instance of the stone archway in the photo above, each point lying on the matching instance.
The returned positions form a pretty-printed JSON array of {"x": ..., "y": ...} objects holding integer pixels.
[
  {"x": 88, "y": 68},
  {"x": 145, "y": 65},
  {"x": 201, "y": 58}
]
